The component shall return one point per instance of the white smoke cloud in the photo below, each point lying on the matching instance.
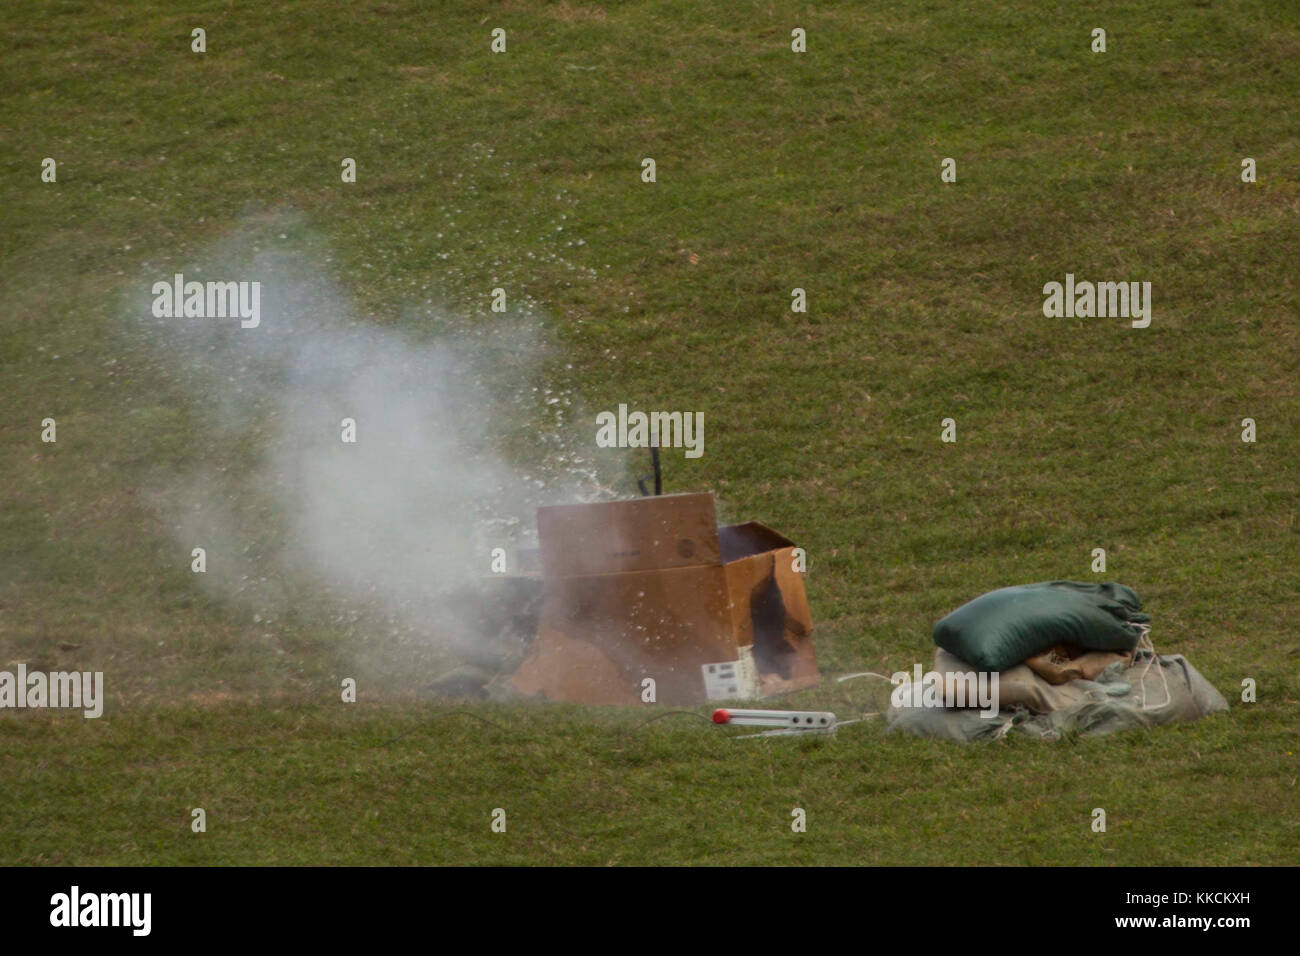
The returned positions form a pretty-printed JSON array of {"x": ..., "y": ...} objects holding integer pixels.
[{"x": 407, "y": 515}]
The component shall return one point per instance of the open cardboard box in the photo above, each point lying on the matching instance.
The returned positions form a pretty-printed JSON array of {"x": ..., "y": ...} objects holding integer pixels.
[{"x": 653, "y": 588}]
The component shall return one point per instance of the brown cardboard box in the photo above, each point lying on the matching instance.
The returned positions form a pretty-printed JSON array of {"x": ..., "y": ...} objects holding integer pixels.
[
  {"x": 653, "y": 588},
  {"x": 644, "y": 534}
]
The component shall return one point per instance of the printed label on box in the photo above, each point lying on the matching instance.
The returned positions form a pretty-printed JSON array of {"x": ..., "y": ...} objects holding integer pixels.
[{"x": 732, "y": 680}]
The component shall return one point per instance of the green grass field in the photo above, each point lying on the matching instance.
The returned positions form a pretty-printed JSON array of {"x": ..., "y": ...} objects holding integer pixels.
[{"x": 775, "y": 170}]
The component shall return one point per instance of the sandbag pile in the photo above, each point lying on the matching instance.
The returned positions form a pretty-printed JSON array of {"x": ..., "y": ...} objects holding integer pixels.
[{"x": 1069, "y": 657}]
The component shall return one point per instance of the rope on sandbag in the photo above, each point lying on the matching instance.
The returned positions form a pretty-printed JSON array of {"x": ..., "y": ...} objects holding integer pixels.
[{"x": 1144, "y": 643}]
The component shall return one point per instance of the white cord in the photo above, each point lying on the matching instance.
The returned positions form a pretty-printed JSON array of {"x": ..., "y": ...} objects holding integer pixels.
[
  {"x": 841, "y": 680},
  {"x": 1144, "y": 643}
]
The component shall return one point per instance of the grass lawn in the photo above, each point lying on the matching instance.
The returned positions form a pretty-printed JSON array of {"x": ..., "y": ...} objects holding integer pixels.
[{"x": 775, "y": 171}]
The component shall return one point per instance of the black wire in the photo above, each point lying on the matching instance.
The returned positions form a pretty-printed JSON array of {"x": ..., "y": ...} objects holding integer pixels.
[{"x": 670, "y": 713}]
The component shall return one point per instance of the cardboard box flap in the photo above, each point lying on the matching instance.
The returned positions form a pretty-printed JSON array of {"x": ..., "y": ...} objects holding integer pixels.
[
  {"x": 642, "y": 534},
  {"x": 798, "y": 615},
  {"x": 770, "y": 613},
  {"x": 741, "y": 540}
]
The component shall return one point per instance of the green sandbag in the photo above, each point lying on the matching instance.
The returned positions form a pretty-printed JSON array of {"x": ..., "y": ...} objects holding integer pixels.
[{"x": 1000, "y": 629}]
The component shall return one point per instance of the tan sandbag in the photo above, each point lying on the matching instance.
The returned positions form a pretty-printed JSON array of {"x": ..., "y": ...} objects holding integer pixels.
[
  {"x": 1062, "y": 663},
  {"x": 1017, "y": 686}
]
